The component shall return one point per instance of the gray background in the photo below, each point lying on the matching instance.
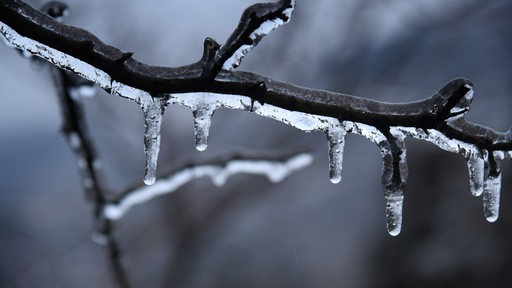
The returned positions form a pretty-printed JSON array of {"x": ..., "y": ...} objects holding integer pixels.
[{"x": 303, "y": 232}]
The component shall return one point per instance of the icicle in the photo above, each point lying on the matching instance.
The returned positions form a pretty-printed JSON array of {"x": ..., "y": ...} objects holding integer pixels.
[
  {"x": 394, "y": 178},
  {"x": 336, "y": 138},
  {"x": 492, "y": 184},
  {"x": 152, "y": 109},
  {"x": 202, "y": 122},
  {"x": 393, "y": 191},
  {"x": 476, "y": 172}
]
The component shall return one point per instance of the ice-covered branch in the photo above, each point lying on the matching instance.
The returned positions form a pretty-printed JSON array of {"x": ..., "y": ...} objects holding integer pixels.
[
  {"x": 70, "y": 89},
  {"x": 210, "y": 84},
  {"x": 77, "y": 50},
  {"x": 256, "y": 22},
  {"x": 275, "y": 170}
]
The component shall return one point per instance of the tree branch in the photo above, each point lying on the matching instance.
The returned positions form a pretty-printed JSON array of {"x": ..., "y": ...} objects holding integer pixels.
[
  {"x": 210, "y": 84},
  {"x": 113, "y": 65},
  {"x": 276, "y": 169}
]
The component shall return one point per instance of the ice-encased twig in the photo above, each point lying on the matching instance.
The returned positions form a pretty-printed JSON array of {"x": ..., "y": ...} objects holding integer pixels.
[
  {"x": 256, "y": 22},
  {"x": 492, "y": 184},
  {"x": 274, "y": 170}
]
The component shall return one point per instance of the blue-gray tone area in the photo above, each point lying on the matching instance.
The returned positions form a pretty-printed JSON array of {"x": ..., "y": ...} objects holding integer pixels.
[{"x": 302, "y": 232}]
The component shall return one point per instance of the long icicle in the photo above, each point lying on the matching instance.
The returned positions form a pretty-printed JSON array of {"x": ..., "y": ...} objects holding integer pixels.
[
  {"x": 153, "y": 109},
  {"x": 394, "y": 179},
  {"x": 492, "y": 184}
]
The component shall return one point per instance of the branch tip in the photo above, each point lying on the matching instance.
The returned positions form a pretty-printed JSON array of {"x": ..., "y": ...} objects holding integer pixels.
[
  {"x": 455, "y": 99},
  {"x": 55, "y": 9}
]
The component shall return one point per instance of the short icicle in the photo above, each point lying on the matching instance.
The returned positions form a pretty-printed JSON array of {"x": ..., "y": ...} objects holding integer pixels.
[
  {"x": 153, "y": 109},
  {"x": 336, "y": 138},
  {"x": 492, "y": 184},
  {"x": 202, "y": 123}
]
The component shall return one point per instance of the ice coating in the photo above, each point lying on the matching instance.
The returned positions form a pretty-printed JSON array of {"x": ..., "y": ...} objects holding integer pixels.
[
  {"x": 369, "y": 132},
  {"x": 481, "y": 181},
  {"x": 274, "y": 170},
  {"x": 335, "y": 131},
  {"x": 336, "y": 138},
  {"x": 402, "y": 157},
  {"x": 86, "y": 91},
  {"x": 302, "y": 121},
  {"x": 87, "y": 71},
  {"x": 235, "y": 59},
  {"x": 256, "y": 35},
  {"x": 472, "y": 154},
  {"x": 492, "y": 185}
]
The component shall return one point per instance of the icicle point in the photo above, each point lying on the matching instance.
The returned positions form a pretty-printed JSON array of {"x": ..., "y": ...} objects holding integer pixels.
[
  {"x": 202, "y": 123},
  {"x": 491, "y": 199},
  {"x": 394, "y": 206},
  {"x": 149, "y": 179}
]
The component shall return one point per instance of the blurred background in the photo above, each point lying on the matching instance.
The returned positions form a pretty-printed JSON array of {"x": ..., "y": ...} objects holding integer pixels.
[{"x": 303, "y": 232}]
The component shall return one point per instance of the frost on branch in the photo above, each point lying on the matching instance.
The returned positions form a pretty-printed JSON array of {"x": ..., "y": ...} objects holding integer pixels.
[{"x": 275, "y": 170}]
